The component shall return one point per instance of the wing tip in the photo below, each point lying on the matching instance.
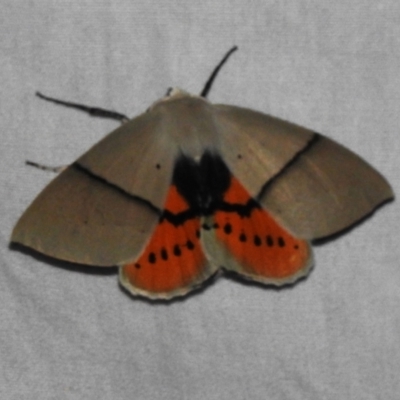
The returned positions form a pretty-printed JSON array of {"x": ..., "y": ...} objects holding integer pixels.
[{"x": 328, "y": 237}]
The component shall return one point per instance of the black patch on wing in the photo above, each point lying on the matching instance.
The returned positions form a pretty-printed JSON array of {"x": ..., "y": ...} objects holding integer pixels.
[{"x": 203, "y": 185}]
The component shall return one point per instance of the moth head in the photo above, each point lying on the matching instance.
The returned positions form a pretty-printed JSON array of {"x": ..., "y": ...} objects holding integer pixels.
[
  {"x": 172, "y": 95},
  {"x": 177, "y": 94}
]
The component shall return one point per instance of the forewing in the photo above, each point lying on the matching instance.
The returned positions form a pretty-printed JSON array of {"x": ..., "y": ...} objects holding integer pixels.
[
  {"x": 310, "y": 184},
  {"x": 80, "y": 218},
  {"x": 103, "y": 209},
  {"x": 327, "y": 189}
]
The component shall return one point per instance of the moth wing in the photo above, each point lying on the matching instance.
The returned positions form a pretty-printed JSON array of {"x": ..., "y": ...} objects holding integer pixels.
[
  {"x": 81, "y": 219},
  {"x": 173, "y": 261},
  {"x": 249, "y": 242},
  {"x": 330, "y": 188},
  {"x": 310, "y": 184},
  {"x": 103, "y": 208}
]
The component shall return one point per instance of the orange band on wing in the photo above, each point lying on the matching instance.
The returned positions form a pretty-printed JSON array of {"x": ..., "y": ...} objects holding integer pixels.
[
  {"x": 261, "y": 246},
  {"x": 173, "y": 259}
]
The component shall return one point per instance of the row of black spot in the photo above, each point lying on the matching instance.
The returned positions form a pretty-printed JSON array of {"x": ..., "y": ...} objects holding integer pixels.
[
  {"x": 269, "y": 240},
  {"x": 176, "y": 251}
]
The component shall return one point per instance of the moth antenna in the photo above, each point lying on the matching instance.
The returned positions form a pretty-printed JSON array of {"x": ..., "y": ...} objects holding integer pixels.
[
  {"x": 210, "y": 81},
  {"x": 46, "y": 167},
  {"x": 93, "y": 111}
]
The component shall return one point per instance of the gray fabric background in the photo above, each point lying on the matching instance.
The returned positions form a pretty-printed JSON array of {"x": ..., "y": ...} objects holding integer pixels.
[{"x": 333, "y": 66}]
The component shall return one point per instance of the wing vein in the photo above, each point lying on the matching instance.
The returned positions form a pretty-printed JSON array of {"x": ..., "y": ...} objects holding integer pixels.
[
  {"x": 116, "y": 187},
  {"x": 309, "y": 145}
]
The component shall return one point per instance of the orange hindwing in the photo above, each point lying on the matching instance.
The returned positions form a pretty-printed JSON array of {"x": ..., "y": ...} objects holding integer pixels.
[
  {"x": 173, "y": 262},
  {"x": 251, "y": 243}
]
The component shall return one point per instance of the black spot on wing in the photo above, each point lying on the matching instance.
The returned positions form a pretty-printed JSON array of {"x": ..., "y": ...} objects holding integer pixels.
[
  {"x": 164, "y": 254},
  {"x": 228, "y": 228},
  {"x": 257, "y": 240},
  {"x": 243, "y": 237}
]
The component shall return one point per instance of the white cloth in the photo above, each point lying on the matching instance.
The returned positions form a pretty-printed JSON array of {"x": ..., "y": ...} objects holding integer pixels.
[{"x": 332, "y": 66}]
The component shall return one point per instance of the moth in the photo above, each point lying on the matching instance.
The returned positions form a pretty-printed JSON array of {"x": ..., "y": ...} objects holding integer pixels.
[{"x": 189, "y": 188}]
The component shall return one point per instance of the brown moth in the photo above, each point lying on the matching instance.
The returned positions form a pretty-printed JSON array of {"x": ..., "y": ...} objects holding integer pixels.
[{"x": 189, "y": 187}]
